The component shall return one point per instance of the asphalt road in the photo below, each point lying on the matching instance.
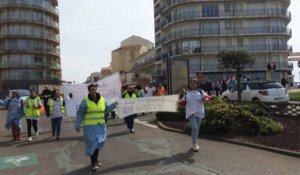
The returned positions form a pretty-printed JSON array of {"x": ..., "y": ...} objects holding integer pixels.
[{"x": 149, "y": 151}]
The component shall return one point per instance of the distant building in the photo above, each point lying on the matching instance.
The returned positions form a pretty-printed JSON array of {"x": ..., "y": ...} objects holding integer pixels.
[
  {"x": 136, "y": 40},
  {"x": 294, "y": 60},
  {"x": 123, "y": 57},
  {"x": 94, "y": 77},
  {"x": 144, "y": 68},
  {"x": 105, "y": 71},
  {"x": 195, "y": 31},
  {"x": 29, "y": 44}
]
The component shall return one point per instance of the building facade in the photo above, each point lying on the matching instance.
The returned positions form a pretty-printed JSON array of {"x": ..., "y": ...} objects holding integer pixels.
[
  {"x": 123, "y": 57},
  {"x": 197, "y": 30},
  {"x": 144, "y": 68},
  {"x": 29, "y": 44}
]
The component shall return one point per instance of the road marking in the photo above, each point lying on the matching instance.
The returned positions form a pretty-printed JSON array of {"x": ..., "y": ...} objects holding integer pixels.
[
  {"x": 18, "y": 161},
  {"x": 145, "y": 123}
]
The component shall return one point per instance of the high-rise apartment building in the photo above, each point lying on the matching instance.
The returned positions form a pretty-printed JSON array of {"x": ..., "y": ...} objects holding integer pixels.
[
  {"x": 29, "y": 44},
  {"x": 196, "y": 30}
]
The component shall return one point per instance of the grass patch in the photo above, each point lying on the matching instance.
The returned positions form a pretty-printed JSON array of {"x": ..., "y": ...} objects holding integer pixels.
[{"x": 294, "y": 96}]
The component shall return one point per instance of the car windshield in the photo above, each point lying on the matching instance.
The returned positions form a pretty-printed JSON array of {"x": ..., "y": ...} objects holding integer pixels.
[
  {"x": 267, "y": 85},
  {"x": 23, "y": 93}
]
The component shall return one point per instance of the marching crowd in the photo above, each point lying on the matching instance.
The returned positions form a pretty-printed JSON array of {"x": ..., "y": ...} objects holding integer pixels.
[{"x": 91, "y": 116}]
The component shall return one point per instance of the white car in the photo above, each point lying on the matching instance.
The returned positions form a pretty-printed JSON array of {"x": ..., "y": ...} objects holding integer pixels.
[
  {"x": 23, "y": 93},
  {"x": 264, "y": 91}
]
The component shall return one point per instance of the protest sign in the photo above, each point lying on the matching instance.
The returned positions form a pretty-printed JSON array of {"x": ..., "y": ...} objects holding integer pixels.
[
  {"x": 108, "y": 87},
  {"x": 131, "y": 106}
]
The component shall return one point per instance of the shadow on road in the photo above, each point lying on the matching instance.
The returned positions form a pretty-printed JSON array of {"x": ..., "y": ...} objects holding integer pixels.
[
  {"x": 185, "y": 158},
  {"x": 115, "y": 124},
  {"x": 50, "y": 140},
  {"x": 118, "y": 134}
]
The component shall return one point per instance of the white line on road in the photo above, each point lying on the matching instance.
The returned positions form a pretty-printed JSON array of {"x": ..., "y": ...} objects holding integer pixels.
[{"x": 145, "y": 123}]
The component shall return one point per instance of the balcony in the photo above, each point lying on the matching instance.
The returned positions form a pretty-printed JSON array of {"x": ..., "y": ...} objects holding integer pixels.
[
  {"x": 27, "y": 4},
  {"x": 247, "y": 13},
  {"x": 143, "y": 63},
  {"x": 269, "y": 30},
  {"x": 46, "y": 50},
  {"x": 216, "y": 49},
  {"x": 16, "y": 19},
  {"x": 42, "y": 35}
]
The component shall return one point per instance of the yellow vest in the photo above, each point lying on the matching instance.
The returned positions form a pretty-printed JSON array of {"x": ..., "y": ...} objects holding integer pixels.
[
  {"x": 132, "y": 96},
  {"x": 95, "y": 113},
  {"x": 51, "y": 104},
  {"x": 29, "y": 110}
]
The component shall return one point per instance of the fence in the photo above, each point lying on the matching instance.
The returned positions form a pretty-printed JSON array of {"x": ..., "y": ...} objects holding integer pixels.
[{"x": 291, "y": 109}]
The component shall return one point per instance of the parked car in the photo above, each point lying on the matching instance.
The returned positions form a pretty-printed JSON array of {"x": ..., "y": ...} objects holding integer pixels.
[
  {"x": 23, "y": 93},
  {"x": 264, "y": 91}
]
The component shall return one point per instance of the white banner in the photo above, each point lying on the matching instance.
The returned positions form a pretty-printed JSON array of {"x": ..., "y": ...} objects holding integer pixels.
[
  {"x": 128, "y": 107},
  {"x": 109, "y": 88}
]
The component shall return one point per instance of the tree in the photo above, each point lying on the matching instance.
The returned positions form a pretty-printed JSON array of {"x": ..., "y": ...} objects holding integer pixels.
[{"x": 236, "y": 60}]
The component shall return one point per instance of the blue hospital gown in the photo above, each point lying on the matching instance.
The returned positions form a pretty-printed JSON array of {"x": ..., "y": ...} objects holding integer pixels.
[{"x": 95, "y": 135}]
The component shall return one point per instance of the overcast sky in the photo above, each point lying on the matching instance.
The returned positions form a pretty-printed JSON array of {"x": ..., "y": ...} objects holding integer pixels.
[{"x": 91, "y": 29}]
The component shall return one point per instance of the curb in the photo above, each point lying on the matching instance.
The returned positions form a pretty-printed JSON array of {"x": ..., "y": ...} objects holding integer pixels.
[{"x": 251, "y": 145}]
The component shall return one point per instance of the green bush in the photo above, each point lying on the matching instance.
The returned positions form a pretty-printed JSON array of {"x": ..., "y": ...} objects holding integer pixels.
[{"x": 224, "y": 118}]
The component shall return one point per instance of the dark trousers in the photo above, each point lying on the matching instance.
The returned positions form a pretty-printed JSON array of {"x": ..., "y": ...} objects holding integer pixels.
[
  {"x": 94, "y": 157},
  {"x": 130, "y": 121},
  {"x": 47, "y": 108},
  {"x": 113, "y": 114},
  {"x": 31, "y": 123},
  {"x": 56, "y": 126}
]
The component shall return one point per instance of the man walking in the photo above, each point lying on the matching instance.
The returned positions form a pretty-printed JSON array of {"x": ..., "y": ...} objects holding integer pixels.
[
  {"x": 90, "y": 116},
  {"x": 46, "y": 94}
]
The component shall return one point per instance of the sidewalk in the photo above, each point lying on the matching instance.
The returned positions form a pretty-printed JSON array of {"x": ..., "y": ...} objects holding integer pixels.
[{"x": 233, "y": 141}]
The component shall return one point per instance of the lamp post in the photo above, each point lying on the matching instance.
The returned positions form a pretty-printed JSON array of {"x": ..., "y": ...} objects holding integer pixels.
[{"x": 169, "y": 75}]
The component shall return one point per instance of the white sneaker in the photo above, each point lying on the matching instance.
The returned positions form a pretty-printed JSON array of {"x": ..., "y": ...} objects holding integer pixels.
[
  {"x": 37, "y": 134},
  {"x": 95, "y": 167},
  {"x": 29, "y": 139},
  {"x": 195, "y": 148}
]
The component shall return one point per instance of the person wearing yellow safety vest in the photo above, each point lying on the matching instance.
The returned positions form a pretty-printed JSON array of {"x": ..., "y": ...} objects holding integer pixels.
[
  {"x": 32, "y": 113},
  {"x": 129, "y": 120},
  {"x": 56, "y": 109},
  {"x": 90, "y": 116}
]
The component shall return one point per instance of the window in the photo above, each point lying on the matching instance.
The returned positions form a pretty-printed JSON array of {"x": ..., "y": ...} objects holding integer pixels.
[
  {"x": 210, "y": 10},
  {"x": 240, "y": 42},
  {"x": 26, "y": 59},
  {"x": 24, "y": 44},
  {"x": 14, "y": 59},
  {"x": 210, "y": 28},
  {"x": 38, "y": 60},
  {"x": 194, "y": 64},
  {"x": 228, "y": 44},
  {"x": 191, "y": 47},
  {"x": 12, "y": 44},
  {"x": 26, "y": 74},
  {"x": 227, "y": 7},
  {"x": 227, "y": 25}
]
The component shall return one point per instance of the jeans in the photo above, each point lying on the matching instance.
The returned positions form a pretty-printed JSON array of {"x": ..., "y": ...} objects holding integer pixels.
[
  {"x": 195, "y": 123},
  {"x": 56, "y": 125}
]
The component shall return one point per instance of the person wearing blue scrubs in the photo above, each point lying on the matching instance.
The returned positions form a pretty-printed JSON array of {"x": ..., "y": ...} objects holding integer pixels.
[{"x": 91, "y": 117}]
